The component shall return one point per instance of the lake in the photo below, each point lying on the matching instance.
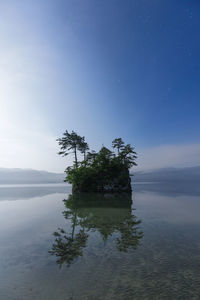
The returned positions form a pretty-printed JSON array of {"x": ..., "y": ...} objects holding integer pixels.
[{"x": 57, "y": 246}]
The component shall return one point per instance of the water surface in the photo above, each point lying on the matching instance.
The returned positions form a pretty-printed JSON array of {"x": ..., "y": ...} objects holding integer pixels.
[{"x": 56, "y": 246}]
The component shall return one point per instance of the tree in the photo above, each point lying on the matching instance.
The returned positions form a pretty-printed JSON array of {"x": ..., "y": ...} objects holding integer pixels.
[
  {"x": 84, "y": 147},
  {"x": 71, "y": 141},
  {"x": 104, "y": 156},
  {"x": 91, "y": 156},
  {"x": 128, "y": 156},
  {"x": 102, "y": 171},
  {"x": 118, "y": 143}
]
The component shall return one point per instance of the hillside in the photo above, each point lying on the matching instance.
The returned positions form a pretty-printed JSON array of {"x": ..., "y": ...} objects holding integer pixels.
[
  {"x": 25, "y": 176},
  {"x": 168, "y": 175}
]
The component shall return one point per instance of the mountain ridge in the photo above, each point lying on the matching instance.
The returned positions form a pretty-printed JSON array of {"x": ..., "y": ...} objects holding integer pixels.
[
  {"x": 22, "y": 176},
  {"x": 168, "y": 174}
]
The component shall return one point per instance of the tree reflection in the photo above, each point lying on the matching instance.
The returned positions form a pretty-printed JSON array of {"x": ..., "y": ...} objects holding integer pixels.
[
  {"x": 66, "y": 247},
  {"x": 109, "y": 215}
]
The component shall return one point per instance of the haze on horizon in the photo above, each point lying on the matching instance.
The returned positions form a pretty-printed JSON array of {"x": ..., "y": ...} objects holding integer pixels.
[{"x": 104, "y": 69}]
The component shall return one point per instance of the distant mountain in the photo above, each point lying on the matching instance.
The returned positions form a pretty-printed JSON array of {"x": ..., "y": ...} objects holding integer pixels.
[
  {"x": 23, "y": 176},
  {"x": 168, "y": 175}
]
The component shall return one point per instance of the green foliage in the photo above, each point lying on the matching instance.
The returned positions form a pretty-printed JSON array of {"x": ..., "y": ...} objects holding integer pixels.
[
  {"x": 118, "y": 143},
  {"x": 102, "y": 171},
  {"x": 128, "y": 156},
  {"x": 72, "y": 141}
]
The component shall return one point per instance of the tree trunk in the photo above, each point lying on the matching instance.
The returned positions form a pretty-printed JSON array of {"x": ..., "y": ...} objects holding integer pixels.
[
  {"x": 74, "y": 226},
  {"x": 75, "y": 154}
]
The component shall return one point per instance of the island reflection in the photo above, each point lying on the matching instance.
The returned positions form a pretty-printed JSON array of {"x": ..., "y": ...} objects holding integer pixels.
[{"x": 106, "y": 214}]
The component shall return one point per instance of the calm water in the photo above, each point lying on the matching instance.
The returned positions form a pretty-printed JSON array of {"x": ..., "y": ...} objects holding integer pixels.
[{"x": 92, "y": 247}]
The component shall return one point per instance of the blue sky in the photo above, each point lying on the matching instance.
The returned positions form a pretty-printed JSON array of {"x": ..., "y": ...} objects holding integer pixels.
[{"x": 105, "y": 69}]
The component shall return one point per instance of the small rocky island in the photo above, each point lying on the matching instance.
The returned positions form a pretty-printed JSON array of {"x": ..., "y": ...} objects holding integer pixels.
[{"x": 99, "y": 172}]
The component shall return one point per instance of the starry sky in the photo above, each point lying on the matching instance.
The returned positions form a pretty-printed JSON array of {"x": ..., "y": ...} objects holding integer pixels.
[{"x": 105, "y": 69}]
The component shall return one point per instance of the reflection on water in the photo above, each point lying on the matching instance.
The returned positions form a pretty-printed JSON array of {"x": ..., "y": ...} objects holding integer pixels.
[
  {"x": 101, "y": 240},
  {"x": 28, "y": 191},
  {"x": 171, "y": 188},
  {"x": 104, "y": 214}
]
